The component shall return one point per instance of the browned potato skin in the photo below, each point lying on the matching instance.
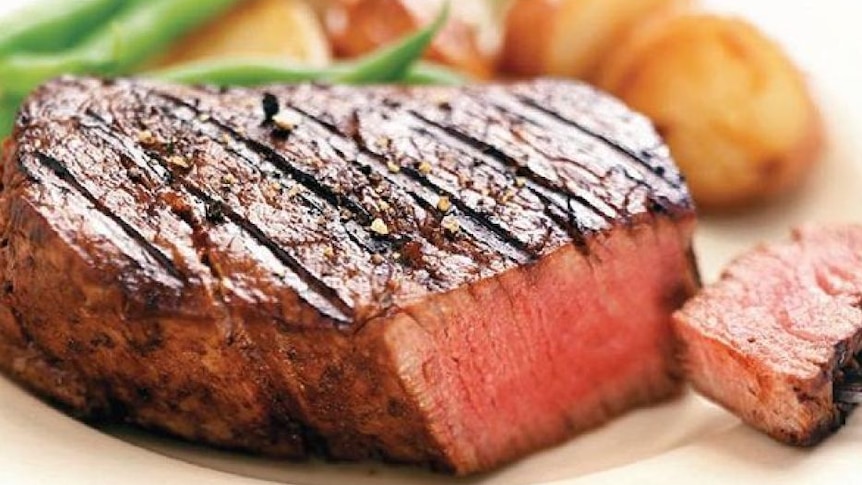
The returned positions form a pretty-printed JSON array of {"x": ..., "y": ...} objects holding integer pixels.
[
  {"x": 356, "y": 27},
  {"x": 570, "y": 38},
  {"x": 735, "y": 111},
  {"x": 279, "y": 29}
]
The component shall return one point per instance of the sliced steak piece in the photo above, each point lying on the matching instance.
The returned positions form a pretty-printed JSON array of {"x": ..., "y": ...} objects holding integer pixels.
[
  {"x": 455, "y": 277},
  {"x": 777, "y": 339}
]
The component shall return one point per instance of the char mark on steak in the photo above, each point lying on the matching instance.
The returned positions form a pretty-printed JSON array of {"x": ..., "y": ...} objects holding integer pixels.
[
  {"x": 406, "y": 273},
  {"x": 60, "y": 171},
  {"x": 847, "y": 389}
]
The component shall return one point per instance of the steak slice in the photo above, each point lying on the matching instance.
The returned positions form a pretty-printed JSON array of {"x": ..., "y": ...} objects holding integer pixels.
[
  {"x": 446, "y": 276},
  {"x": 777, "y": 339}
]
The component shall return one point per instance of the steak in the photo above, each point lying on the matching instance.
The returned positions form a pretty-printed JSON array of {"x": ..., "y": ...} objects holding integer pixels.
[
  {"x": 777, "y": 339},
  {"x": 444, "y": 276}
]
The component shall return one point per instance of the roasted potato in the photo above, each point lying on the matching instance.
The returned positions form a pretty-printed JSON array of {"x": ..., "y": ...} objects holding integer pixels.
[
  {"x": 735, "y": 111},
  {"x": 570, "y": 37},
  {"x": 283, "y": 29},
  {"x": 356, "y": 27}
]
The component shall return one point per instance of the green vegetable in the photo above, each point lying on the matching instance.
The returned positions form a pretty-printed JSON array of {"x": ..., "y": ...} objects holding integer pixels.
[
  {"x": 396, "y": 62},
  {"x": 424, "y": 72},
  {"x": 256, "y": 72},
  {"x": 142, "y": 29},
  {"x": 239, "y": 71},
  {"x": 391, "y": 63},
  {"x": 135, "y": 34},
  {"x": 54, "y": 24},
  {"x": 8, "y": 110}
]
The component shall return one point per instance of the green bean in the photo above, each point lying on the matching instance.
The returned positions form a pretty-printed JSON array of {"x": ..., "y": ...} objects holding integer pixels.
[
  {"x": 21, "y": 73},
  {"x": 396, "y": 62},
  {"x": 8, "y": 111},
  {"x": 431, "y": 73},
  {"x": 256, "y": 72},
  {"x": 239, "y": 72},
  {"x": 53, "y": 25},
  {"x": 135, "y": 34},
  {"x": 144, "y": 30},
  {"x": 391, "y": 63}
]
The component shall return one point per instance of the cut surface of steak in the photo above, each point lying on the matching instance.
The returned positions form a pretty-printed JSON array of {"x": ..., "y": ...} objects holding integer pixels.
[
  {"x": 444, "y": 276},
  {"x": 777, "y": 339}
]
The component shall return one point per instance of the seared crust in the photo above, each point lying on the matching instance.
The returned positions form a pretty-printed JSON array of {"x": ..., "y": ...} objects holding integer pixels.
[
  {"x": 86, "y": 311},
  {"x": 521, "y": 178}
]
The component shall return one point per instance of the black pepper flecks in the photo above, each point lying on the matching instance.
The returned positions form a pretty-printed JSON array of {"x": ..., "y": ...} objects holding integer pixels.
[
  {"x": 270, "y": 106},
  {"x": 215, "y": 213}
]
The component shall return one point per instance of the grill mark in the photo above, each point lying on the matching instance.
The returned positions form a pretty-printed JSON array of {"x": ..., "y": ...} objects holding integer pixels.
[
  {"x": 482, "y": 219},
  {"x": 520, "y": 257},
  {"x": 573, "y": 227},
  {"x": 323, "y": 304},
  {"x": 638, "y": 157},
  {"x": 95, "y": 123},
  {"x": 557, "y": 206},
  {"x": 294, "y": 265},
  {"x": 657, "y": 199},
  {"x": 545, "y": 118},
  {"x": 253, "y": 162},
  {"x": 308, "y": 180},
  {"x": 591, "y": 171},
  {"x": 355, "y": 230},
  {"x": 549, "y": 225},
  {"x": 271, "y": 155},
  {"x": 523, "y": 253},
  {"x": 584, "y": 216},
  {"x": 366, "y": 170},
  {"x": 351, "y": 228},
  {"x": 429, "y": 207},
  {"x": 585, "y": 179},
  {"x": 343, "y": 311},
  {"x": 371, "y": 244},
  {"x": 547, "y": 186},
  {"x": 548, "y": 198},
  {"x": 35, "y": 179},
  {"x": 281, "y": 163},
  {"x": 60, "y": 170}
]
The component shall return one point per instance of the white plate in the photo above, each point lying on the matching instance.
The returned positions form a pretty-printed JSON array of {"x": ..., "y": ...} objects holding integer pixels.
[{"x": 687, "y": 440}]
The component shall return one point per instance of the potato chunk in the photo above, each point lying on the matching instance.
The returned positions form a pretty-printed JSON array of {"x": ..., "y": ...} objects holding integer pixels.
[
  {"x": 570, "y": 37},
  {"x": 735, "y": 111},
  {"x": 281, "y": 29}
]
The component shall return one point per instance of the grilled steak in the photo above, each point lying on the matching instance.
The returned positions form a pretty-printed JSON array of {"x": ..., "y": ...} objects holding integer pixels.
[
  {"x": 777, "y": 340},
  {"x": 453, "y": 277}
]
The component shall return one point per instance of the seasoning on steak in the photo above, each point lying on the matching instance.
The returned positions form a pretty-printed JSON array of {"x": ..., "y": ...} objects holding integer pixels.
[
  {"x": 777, "y": 339},
  {"x": 448, "y": 276}
]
